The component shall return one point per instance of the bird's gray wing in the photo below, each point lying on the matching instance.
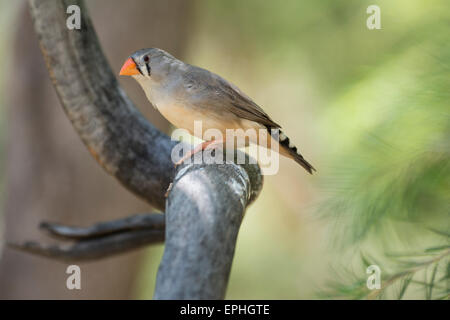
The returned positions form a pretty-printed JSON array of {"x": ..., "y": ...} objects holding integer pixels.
[{"x": 213, "y": 91}]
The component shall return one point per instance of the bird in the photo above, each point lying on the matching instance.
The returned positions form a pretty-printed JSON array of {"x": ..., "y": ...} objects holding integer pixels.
[{"x": 185, "y": 93}]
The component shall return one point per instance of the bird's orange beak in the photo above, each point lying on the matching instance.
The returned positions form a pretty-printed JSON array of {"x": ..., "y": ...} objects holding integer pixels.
[{"x": 129, "y": 68}]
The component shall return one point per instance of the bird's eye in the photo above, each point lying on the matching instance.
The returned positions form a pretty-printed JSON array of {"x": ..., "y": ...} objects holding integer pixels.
[{"x": 146, "y": 59}]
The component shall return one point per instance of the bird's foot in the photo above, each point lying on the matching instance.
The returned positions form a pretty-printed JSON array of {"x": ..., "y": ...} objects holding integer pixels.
[
  {"x": 200, "y": 147},
  {"x": 168, "y": 190}
]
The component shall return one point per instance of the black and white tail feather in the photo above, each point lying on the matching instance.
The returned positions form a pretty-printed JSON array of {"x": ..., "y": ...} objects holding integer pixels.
[{"x": 290, "y": 148}]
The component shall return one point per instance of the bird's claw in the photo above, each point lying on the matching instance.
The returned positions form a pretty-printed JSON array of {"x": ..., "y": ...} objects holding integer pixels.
[{"x": 168, "y": 190}]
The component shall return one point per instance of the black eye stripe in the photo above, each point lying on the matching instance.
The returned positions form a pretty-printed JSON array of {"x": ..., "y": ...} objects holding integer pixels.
[
  {"x": 139, "y": 69},
  {"x": 137, "y": 66},
  {"x": 148, "y": 69}
]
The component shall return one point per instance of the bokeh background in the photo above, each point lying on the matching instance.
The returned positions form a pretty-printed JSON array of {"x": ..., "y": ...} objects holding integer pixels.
[{"x": 368, "y": 108}]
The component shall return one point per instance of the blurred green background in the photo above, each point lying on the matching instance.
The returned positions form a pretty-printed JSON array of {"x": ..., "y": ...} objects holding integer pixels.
[{"x": 369, "y": 109}]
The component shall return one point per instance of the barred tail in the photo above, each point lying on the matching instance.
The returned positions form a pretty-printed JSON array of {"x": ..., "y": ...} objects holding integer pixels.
[{"x": 288, "y": 149}]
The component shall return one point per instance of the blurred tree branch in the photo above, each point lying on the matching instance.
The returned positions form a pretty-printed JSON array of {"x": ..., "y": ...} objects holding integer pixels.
[
  {"x": 136, "y": 222},
  {"x": 100, "y": 240},
  {"x": 122, "y": 141}
]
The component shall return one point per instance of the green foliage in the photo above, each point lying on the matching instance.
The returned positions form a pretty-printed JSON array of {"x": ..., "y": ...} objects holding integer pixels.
[
  {"x": 388, "y": 179},
  {"x": 410, "y": 273},
  {"x": 398, "y": 167}
]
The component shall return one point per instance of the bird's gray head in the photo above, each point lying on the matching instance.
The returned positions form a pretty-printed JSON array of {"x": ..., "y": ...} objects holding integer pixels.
[{"x": 150, "y": 64}]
